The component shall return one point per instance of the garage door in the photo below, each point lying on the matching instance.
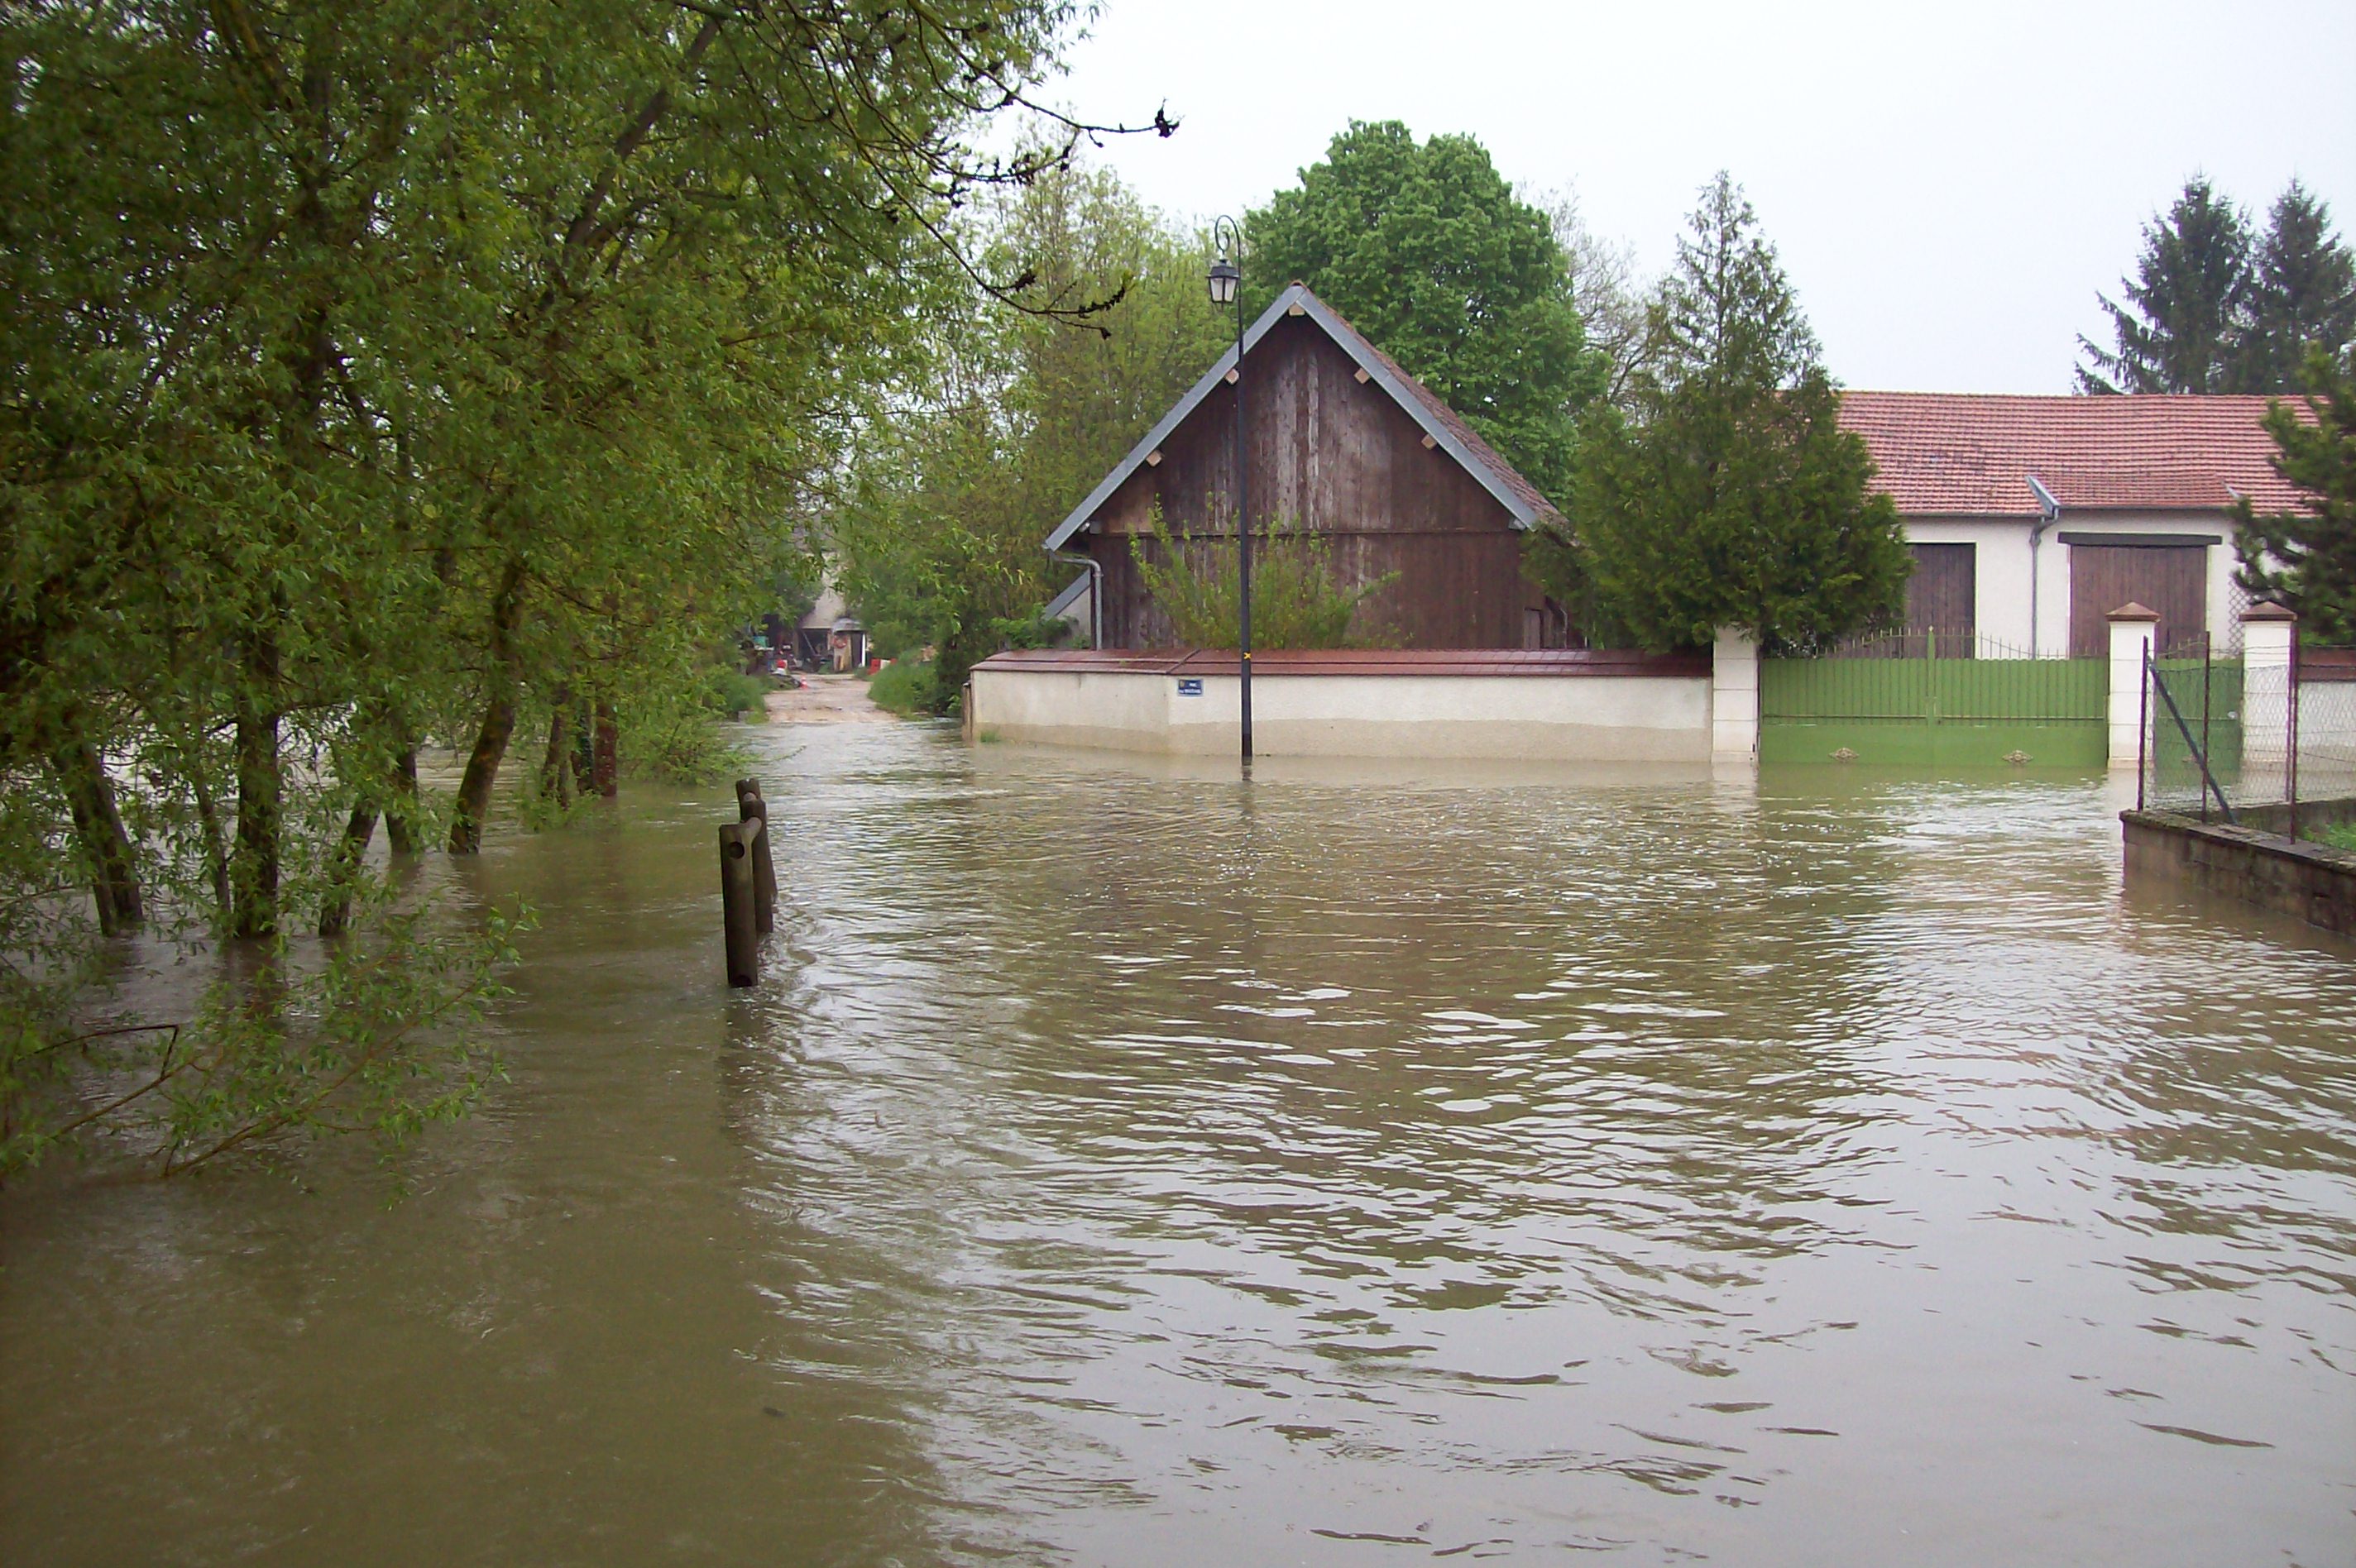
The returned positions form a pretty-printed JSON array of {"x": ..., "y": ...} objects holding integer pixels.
[{"x": 2168, "y": 573}]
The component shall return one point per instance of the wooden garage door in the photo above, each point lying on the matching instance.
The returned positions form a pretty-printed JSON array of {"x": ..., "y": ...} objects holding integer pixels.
[
  {"x": 1941, "y": 596},
  {"x": 2171, "y": 578}
]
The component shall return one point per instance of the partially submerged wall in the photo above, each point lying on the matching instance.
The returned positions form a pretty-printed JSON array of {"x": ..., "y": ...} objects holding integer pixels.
[
  {"x": 1504, "y": 704},
  {"x": 2316, "y": 884}
]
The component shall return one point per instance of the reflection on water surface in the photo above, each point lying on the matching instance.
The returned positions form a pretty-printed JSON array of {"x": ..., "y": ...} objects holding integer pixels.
[{"x": 1130, "y": 1165}]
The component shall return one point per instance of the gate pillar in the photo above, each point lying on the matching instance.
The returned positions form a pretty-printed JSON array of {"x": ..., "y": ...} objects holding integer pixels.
[
  {"x": 2132, "y": 629},
  {"x": 2268, "y": 632},
  {"x": 1734, "y": 695}
]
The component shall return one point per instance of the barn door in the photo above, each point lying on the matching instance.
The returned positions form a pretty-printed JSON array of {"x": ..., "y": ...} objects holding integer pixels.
[
  {"x": 1943, "y": 596},
  {"x": 2171, "y": 579}
]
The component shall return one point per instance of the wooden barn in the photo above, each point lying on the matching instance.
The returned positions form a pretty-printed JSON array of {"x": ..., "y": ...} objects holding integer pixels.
[{"x": 1343, "y": 444}]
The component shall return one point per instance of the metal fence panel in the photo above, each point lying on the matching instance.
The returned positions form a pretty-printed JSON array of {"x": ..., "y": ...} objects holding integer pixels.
[{"x": 1942, "y": 711}]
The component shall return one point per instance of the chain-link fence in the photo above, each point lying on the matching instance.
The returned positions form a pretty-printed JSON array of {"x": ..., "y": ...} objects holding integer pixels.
[{"x": 2229, "y": 737}]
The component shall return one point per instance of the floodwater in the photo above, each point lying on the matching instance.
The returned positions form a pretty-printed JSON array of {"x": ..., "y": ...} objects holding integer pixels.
[{"x": 1120, "y": 1165}]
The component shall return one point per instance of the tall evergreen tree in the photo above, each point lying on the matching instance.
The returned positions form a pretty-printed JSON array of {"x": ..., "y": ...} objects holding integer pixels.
[
  {"x": 1425, "y": 247},
  {"x": 2308, "y": 560},
  {"x": 2187, "y": 309},
  {"x": 1728, "y": 496},
  {"x": 2303, "y": 295}
]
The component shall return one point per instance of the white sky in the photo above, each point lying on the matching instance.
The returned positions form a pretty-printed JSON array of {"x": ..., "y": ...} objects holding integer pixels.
[{"x": 1948, "y": 185}]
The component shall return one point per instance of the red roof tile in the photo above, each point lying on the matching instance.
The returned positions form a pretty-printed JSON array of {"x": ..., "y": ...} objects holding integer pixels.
[{"x": 1969, "y": 455}]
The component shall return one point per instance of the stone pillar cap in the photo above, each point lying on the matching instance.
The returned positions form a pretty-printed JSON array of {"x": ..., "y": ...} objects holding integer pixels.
[
  {"x": 2267, "y": 610},
  {"x": 2134, "y": 611}
]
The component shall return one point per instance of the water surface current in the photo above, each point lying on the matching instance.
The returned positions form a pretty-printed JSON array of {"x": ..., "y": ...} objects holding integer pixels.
[{"x": 1120, "y": 1164}]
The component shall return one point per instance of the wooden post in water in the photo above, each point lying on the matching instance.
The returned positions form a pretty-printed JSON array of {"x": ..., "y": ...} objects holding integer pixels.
[
  {"x": 738, "y": 897},
  {"x": 750, "y": 805}
]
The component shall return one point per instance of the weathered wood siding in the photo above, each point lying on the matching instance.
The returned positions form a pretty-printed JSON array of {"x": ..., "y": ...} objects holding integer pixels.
[
  {"x": 2171, "y": 580},
  {"x": 1340, "y": 458}
]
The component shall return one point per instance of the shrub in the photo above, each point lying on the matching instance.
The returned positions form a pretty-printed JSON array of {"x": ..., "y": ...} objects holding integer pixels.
[
  {"x": 1298, "y": 601},
  {"x": 907, "y": 689},
  {"x": 728, "y": 691}
]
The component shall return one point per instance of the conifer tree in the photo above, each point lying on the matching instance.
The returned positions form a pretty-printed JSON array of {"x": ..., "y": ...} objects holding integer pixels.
[
  {"x": 2303, "y": 294},
  {"x": 1728, "y": 496},
  {"x": 2309, "y": 561},
  {"x": 2187, "y": 309}
]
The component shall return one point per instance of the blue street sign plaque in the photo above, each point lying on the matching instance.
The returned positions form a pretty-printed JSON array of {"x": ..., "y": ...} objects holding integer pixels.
[{"x": 1190, "y": 685}]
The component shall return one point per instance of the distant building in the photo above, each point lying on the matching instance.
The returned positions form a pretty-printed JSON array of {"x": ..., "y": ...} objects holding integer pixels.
[
  {"x": 2031, "y": 518},
  {"x": 829, "y": 636},
  {"x": 1343, "y": 443}
]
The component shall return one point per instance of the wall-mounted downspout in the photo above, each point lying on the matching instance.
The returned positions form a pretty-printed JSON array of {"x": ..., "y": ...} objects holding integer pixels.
[
  {"x": 1096, "y": 591},
  {"x": 2049, "y": 512}
]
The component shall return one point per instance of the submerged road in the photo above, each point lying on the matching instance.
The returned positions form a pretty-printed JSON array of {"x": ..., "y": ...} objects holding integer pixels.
[
  {"x": 827, "y": 699},
  {"x": 1121, "y": 1165}
]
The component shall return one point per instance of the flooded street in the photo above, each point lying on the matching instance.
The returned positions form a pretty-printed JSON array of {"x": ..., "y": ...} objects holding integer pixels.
[{"x": 1119, "y": 1165}]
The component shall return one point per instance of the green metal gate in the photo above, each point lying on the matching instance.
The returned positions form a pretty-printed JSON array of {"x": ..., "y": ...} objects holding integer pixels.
[{"x": 1930, "y": 711}]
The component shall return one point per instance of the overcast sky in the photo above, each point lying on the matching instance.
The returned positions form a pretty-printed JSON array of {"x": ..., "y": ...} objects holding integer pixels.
[{"x": 1948, "y": 185}]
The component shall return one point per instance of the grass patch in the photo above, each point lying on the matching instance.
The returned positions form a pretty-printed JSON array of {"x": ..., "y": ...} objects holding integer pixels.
[
  {"x": 907, "y": 689},
  {"x": 2340, "y": 836}
]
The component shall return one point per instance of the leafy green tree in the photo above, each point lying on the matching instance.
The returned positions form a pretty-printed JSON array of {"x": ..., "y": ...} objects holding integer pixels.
[
  {"x": 2303, "y": 295},
  {"x": 1427, "y": 250},
  {"x": 1727, "y": 494},
  {"x": 2186, "y": 310},
  {"x": 1018, "y": 409},
  {"x": 378, "y": 374},
  {"x": 2309, "y": 561}
]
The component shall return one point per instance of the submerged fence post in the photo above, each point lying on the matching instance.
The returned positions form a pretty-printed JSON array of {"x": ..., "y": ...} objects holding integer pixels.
[
  {"x": 750, "y": 805},
  {"x": 2143, "y": 725},
  {"x": 738, "y": 897},
  {"x": 2293, "y": 789},
  {"x": 2205, "y": 752}
]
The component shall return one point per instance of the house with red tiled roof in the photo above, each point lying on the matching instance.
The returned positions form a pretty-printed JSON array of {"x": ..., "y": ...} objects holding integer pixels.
[
  {"x": 2032, "y": 517},
  {"x": 1342, "y": 443}
]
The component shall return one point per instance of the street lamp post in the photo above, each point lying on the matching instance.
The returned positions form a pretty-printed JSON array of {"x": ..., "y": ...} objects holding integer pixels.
[{"x": 1226, "y": 288}]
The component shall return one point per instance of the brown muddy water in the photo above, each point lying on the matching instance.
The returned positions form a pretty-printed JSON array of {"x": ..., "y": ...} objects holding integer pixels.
[{"x": 1124, "y": 1165}]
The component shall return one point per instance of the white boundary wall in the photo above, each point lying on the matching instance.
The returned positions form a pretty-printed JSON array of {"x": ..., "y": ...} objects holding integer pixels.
[{"x": 1581, "y": 718}]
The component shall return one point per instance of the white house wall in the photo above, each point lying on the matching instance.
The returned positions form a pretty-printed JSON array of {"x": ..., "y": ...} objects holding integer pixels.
[{"x": 2001, "y": 569}]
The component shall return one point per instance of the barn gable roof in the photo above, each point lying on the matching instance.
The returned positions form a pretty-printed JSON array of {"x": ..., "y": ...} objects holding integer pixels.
[
  {"x": 1969, "y": 453},
  {"x": 1448, "y": 431}
]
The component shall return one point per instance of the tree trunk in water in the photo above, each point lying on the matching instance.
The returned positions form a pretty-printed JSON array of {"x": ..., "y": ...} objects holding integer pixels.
[
  {"x": 605, "y": 750},
  {"x": 253, "y": 872},
  {"x": 473, "y": 801},
  {"x": 351, "y": 851},
  {"x": 114, "y": 884},
  {"x": 555, "y": 778},
  {"x": 473, "y": 807},
  {"x": 400, "y": 815},
  {"x": 584, "y": 746},
  {"x": 216, "y": 845}
]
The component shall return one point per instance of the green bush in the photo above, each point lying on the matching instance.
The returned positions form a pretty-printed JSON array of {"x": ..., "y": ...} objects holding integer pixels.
[
  {"x": 907, "y": 689},
  {"x": 1298, "y": 601},
  {"x": 728, "y": 691},
  {"x": 2340, "y": 836}
]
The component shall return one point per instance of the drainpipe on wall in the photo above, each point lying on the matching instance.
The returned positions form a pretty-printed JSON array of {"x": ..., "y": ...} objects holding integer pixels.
[
  {"x": 1096, "y": 591},
  {"x": 2049, "y": 512}
]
